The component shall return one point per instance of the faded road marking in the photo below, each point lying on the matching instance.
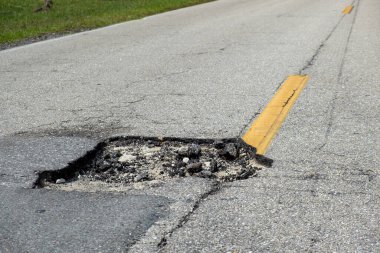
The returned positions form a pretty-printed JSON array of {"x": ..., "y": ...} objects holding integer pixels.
[
  {"x": 265, "y": 127},
  {"x": 348, "y": 9}
]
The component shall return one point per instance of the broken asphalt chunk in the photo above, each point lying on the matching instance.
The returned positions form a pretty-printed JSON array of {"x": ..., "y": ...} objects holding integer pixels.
[
  {"x": 194, "y": 150},
  {"x": 194, "y": 167},
  {"x": 230, "y": 151}
]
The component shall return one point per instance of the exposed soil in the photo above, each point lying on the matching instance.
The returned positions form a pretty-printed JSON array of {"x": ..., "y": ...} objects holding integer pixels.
[{"x": 53, "y": 35}]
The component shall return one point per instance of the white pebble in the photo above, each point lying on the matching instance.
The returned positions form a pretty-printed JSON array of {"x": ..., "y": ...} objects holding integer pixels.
[
  {"x": 60, "y": 181},
  {"x": 185, "y": 160},
  {"x": 127, "y": 158}
]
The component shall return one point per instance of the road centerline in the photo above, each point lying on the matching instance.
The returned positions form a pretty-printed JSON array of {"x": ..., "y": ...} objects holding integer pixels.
[
  {"x": 348, "y": 9},
  {"x": 265, "y": 127}
]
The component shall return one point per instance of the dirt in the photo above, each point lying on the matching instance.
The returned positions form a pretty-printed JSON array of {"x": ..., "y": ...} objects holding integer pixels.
[
  {"x": 132, "y": 161},
  {"x": 48, "y": 36}
]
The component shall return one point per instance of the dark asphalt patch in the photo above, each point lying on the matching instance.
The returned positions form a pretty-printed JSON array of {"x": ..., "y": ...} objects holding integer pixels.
[
  {"x": 55, "y": 221},
  {"x": 129, "y": 160}
]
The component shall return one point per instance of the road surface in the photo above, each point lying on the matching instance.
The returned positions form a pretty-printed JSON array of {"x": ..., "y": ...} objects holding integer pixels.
[{"x": 201, "y": 72}]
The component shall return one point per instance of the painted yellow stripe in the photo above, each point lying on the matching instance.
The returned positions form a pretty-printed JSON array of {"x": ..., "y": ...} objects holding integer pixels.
[
  {"x": 265, "y": 127},
  {"x": 348, "y": 9}
]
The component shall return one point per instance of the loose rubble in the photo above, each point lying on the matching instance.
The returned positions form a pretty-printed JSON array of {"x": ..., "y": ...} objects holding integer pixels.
[{"x": 133, "y": 160}]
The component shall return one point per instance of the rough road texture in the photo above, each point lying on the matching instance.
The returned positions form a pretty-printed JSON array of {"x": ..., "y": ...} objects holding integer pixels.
[
  {"x": 322, "y": 193},
  {"x": 132, "y": 160},
  {"x": 199, "y": 72}
]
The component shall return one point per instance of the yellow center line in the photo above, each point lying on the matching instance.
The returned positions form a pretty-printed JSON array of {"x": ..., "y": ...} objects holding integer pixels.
[
  {"x": 265, "y": 127},
  {"x": 348, "y": 9}
]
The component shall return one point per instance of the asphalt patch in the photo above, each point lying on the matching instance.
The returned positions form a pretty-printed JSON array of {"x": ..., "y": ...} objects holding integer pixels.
[{"x": 130, "y": 160}]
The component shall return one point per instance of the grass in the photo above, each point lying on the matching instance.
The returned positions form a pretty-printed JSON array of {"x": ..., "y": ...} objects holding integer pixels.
[{"x": 19, "y": 22}]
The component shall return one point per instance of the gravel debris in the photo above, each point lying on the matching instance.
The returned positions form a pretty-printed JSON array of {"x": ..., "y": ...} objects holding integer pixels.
[
  {"x": 230, "y": 151},
  {"x": 194, "y": 150},
  {"x": 134, "y": 160},
  {"x": 194, "y": 167}
]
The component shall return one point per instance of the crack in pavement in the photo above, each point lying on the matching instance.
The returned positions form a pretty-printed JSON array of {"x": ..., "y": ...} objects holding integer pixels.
[
  {"x": 312, "y": 60},
  {"x": 308, "y": 65},
  {"x": 340, "y": 82},
  {"x": 215, "y": 187},
  {"x": 206, "y": 52},
  {"x": 249, "y": 122},
  {"x": 290, "y": 97},
  {"x": 161, "y": 77}
]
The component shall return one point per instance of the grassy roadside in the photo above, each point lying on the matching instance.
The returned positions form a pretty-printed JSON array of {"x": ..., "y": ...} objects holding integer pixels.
[{"x": 18, "y": 21}]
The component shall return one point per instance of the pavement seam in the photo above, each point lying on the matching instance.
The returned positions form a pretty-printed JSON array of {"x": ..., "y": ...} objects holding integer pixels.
[
  {"x": 313, "y": 58},
  {"x": 308, "y": 64},
  {"x": 250, "y": 122},
  {"x": 348, "y": 42},
  {"x": 335, "y": 96}
]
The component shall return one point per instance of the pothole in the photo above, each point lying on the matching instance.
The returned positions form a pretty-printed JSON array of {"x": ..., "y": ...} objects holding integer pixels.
[{"x": 135, "y": 160}]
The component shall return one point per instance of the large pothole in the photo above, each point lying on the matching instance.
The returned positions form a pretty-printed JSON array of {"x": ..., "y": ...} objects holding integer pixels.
[{"x": 132, "y": 160}]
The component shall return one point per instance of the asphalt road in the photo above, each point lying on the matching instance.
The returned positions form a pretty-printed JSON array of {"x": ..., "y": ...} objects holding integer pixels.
[{"x": 202, "y": 72}]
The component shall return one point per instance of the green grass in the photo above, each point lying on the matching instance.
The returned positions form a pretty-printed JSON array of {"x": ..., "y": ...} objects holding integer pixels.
[{"x": 19, "y": 22}]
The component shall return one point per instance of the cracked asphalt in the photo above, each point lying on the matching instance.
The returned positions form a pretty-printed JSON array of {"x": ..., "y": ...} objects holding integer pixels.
[{"x": 201, "y": 72}]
